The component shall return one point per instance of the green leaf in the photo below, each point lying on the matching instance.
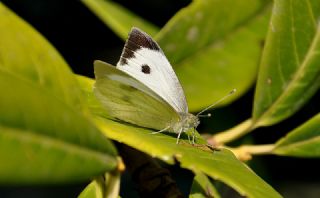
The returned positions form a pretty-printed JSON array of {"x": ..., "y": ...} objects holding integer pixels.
[
  {"x": 202, "y": 187},
  {"x": 43, "y": 140},
  {"x": 94, "y": 190},
  {"x": 24, "y": 52},
  {"x": 118, "y": 18},
  {"x": 303, "y": 141},
  {"x": 220, "y": 164},
  {"x": 31, "y": 158},
  {"x": 289, "y": 72},
  {"x": 44, "y": 135},
  {"x": 215, "y": 47}
]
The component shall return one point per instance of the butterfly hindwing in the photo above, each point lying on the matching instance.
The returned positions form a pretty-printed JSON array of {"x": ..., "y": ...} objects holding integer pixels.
[
  {"x": 127, "y": 99},
  {"x": 143, "y": 59}
]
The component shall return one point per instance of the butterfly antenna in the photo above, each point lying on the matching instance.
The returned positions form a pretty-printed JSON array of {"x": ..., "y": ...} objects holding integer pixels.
[
  {"x": 204, "y": 116},
  {"x": 214, "y": 104}
]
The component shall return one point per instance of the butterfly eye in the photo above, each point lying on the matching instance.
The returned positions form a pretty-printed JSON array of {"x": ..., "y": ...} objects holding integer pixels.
[{"x": 145, "y": 69}]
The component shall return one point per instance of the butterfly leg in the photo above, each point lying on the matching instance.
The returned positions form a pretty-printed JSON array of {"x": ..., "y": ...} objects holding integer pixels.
[
  {"x": 189, "y": 138},
  {"x": 161, "y": 130},
  {"x": 179, "y": 136},
  {"x": 193, "y": 134}
]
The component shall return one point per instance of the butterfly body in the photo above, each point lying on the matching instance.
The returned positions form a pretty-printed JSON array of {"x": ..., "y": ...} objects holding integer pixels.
[
  {"x": 187, "y": 121},
  {"x": 143, "y": 88}
]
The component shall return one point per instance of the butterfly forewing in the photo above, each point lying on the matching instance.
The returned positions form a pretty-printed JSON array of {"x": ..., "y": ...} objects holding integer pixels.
[
  {"x": 127, "y": 99},
  {"x": 143, "y": 59}
]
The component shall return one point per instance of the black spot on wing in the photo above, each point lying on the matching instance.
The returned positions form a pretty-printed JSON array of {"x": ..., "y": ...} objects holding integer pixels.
[{"x": 145, "y": 69}]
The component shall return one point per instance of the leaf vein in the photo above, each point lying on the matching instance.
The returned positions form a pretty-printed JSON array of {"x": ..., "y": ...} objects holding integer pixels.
[
  {"x": 311, "y": 13},
  {"x": 295, "y": 51}
]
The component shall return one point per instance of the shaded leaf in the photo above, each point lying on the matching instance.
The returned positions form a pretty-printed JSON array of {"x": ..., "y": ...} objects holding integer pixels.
[
  {"x": 220, "y": 164},
  {"x": 205, "y": 44},
  {"x": 303, "y": 141},
  {"x": 118, "y": 18},
  {"x": 202, "y": 187},
  {"x": 289, "y": 72}
]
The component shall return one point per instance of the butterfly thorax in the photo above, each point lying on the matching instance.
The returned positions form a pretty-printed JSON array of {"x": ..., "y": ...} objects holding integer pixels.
[{"x": 187, "y": 121}]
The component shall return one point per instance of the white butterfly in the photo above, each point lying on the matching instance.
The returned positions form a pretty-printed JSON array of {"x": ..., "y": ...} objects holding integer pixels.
[{"x": 143, "y": 88}]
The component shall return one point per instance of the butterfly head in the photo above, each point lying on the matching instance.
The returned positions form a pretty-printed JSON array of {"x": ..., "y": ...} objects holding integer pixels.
[{"x": 192, "y": 121}]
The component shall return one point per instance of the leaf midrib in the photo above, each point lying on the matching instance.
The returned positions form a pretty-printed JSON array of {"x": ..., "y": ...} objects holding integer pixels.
[{"x": 26, "y": 135}]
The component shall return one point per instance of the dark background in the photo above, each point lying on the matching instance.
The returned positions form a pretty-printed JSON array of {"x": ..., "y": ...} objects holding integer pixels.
[{"x": 81, "y": 38}]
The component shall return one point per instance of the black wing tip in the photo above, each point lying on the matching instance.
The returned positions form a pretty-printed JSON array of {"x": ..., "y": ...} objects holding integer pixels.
[
  {"x": 136, "y": 29},
  {"x": 137, "y": 39},
  {"x": 142, "y": 39}
]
